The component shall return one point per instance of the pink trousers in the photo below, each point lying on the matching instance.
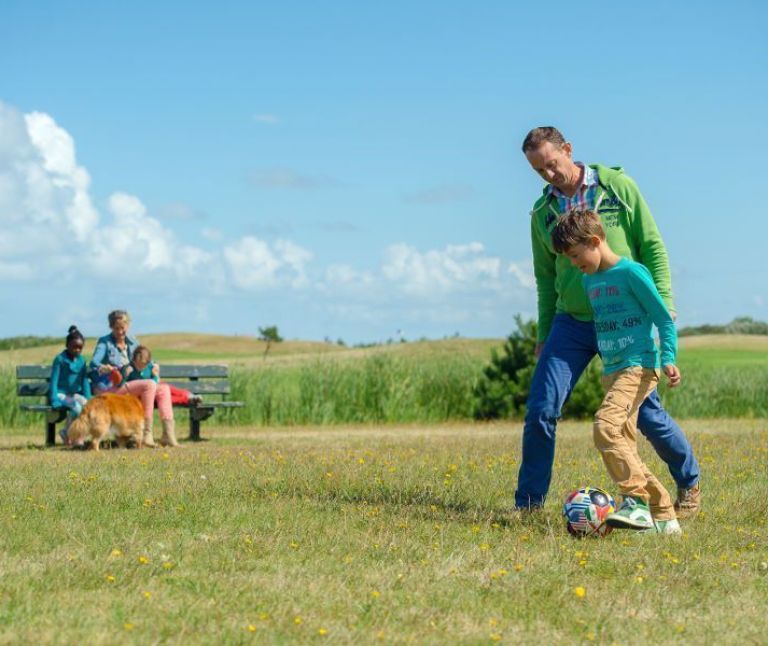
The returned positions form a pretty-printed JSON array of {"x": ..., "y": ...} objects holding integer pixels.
[{"x": 148, "y": 392}]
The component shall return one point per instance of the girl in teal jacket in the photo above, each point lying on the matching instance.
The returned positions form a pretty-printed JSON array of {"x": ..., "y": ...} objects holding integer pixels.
[{"x": 69, "y": 385}]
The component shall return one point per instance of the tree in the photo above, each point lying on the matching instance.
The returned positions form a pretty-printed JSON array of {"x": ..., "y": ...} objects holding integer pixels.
[
  {"x": 270, "y": 335},
  {"x": 503, "y": 388}
]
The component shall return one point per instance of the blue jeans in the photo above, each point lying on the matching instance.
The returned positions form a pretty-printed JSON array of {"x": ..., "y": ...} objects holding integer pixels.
[{"x": 569, "y": 349}]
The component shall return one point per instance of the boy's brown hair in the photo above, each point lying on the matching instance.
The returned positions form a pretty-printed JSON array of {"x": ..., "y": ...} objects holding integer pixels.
[
  {"x": 577, "y": 226},
  {"x": 142, "y": 352}
]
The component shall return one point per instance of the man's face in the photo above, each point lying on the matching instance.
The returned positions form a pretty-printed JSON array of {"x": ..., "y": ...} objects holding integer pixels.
[{"x": 555, "y": 165}]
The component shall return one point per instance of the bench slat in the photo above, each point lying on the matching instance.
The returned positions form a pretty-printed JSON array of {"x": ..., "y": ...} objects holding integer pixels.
[
  {"x": 167, "y": 370},
  {"x": 33, "y": 372},
  {"x": 221, "y": 405},
  {"x": 44, "y": 408},
  {"x": 32, "y": 389},
  {"x": 218, "y": 387},
  {"x": 36, "y": 408},
  {"x": 176, "y": 371}
]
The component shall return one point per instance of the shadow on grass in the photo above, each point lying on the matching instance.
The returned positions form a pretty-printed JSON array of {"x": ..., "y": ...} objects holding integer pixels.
[{"x": 429, "y": 506}]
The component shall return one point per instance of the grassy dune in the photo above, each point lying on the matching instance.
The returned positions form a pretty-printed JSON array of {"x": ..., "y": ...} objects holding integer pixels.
[
  {"x": 241, "y": 350},
  {"x": 400, "y": 535}
]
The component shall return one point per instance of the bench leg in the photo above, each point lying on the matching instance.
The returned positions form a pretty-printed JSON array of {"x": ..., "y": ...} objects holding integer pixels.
[
  {"x": 194, "y": 429},
  {"x": 50, "y": 434}
]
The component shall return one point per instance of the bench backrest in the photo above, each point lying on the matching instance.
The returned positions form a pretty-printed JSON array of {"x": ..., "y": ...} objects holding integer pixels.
[{"x": 200, "y": 380}]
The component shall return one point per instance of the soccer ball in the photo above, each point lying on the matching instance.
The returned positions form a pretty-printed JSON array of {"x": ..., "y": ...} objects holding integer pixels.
[{"x": 585, "y": 511}]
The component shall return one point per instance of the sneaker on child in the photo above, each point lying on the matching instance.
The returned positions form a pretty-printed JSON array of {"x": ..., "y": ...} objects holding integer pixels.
[
  {"x": 667, "y": 526},
  {"x": 633, "y": 513}
]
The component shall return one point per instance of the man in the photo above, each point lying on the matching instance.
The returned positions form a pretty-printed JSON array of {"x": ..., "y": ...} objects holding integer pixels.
[{"x": 566, "y": 333}]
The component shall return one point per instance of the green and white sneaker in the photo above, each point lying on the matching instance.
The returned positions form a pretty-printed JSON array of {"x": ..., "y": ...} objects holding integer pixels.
[
  {"x": 633, "y": 513},
  {"x": 667, "y": 527}
]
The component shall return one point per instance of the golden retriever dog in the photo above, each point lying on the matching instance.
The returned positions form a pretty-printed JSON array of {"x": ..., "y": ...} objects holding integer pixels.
[{"x": 123, "y": 414}]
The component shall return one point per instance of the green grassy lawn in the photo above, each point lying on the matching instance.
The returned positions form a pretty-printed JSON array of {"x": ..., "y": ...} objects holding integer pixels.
[{"x": 350, "y": 534}]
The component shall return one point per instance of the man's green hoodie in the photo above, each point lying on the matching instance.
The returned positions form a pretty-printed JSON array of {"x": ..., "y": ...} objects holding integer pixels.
[{"x": 630, "y": 231}]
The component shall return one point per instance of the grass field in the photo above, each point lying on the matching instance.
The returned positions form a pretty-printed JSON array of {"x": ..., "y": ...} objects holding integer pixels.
[{"x": 397, "y": 534}]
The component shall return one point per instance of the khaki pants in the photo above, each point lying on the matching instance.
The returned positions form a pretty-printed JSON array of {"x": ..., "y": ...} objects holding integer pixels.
[{"x": 615, "y": 435}]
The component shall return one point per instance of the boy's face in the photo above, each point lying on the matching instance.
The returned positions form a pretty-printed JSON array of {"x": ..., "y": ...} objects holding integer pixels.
[{"x": 586, "y": 257}]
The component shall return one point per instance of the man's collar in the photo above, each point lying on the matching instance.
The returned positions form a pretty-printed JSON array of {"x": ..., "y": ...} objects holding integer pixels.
[{"x": 588, "y": 178}]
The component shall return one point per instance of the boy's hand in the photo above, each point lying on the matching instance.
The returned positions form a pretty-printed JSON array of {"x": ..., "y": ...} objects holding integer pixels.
[
  {"x": 673, "y": 375},
  {"x": 156, "y": 370}
]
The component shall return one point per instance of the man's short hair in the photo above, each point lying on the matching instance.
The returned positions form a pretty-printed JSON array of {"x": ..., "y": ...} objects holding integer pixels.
[
  {"x": 577, "y": 226},
  {"x": 540, "y": 135}
]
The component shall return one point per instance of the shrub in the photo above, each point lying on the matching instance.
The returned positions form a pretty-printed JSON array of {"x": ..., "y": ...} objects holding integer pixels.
[{"x": 503, "y": 388}]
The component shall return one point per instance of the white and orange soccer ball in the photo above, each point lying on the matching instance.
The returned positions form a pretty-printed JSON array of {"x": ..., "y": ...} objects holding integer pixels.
[{"x": 585, "y": 511}]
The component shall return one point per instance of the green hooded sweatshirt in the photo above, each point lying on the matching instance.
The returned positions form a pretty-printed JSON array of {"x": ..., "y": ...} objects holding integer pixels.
[{"x": 630, "y": 231}]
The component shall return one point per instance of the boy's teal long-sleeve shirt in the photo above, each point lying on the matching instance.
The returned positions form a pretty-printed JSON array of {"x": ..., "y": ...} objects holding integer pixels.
[
  {"x": 626, "y": 306},
  {"x": 630, "y": 231}
]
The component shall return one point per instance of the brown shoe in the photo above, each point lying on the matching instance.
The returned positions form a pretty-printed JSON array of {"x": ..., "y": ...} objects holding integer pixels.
[{"x": 688, "y": 502}]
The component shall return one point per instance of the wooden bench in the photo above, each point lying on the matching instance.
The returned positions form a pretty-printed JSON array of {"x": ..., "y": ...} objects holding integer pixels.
[{"x": 207, "y": 381}]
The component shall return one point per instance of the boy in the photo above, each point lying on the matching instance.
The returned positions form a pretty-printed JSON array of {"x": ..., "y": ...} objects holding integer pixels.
[{"x": 626, "y": 305}]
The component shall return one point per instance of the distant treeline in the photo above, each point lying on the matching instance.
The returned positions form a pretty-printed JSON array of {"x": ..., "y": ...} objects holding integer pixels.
[
  {"x": 740, "y": 325},
  {"x": 21, "y": 342}
]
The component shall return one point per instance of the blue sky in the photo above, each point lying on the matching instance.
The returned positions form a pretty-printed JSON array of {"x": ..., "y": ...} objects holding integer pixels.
[{"x": 353, "y": 171}]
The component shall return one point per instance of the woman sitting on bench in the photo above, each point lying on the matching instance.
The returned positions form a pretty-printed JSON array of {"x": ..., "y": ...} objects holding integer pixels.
[{"x": 113, "y": 352}]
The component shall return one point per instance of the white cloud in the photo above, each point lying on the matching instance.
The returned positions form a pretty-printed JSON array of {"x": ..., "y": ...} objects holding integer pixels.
[
  {"x": 61, "y": 243},
  {"x": 287, "y": 178},
  {"x": 53, "y": 231},
  {"x": 214, "y": 235},
  {"x": 179, "y": 211},
  {"x": 443, "y": 194},
  {"x": 254, "y": 264},
  {"x": 457, "y": 267},
  {"x": 524, "y": 274},
  {"x": 63, "y": 178},
  {"x": 267, "y": 118},
  {"x": 344, "y": 277}
]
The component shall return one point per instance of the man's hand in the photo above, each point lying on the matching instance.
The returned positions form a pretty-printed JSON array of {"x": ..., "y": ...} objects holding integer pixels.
[{"x": 673, "y": 375}]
